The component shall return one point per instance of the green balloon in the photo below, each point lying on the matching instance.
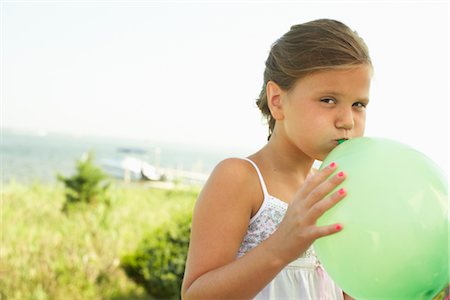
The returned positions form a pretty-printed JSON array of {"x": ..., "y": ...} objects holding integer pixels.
[{"x": 394, "y": 244}]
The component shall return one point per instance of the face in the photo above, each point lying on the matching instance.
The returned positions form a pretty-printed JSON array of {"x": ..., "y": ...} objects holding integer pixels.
[{"x": 324, "y": 107}]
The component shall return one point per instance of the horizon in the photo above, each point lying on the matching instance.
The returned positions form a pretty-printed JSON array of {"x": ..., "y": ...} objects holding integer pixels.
[
  {"x": 189, "y": 72},
  {"x": 116, "y": 138}
]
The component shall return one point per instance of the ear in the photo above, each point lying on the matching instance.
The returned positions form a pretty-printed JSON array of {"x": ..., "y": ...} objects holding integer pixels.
[{"x": 274, "y": 97}]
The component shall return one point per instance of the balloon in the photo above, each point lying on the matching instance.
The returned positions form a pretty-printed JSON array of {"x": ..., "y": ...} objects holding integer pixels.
[{"x": 394, "y": 244}]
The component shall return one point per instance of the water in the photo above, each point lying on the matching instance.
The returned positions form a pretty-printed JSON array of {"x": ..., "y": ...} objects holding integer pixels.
[{"x": 29, "y": 157}]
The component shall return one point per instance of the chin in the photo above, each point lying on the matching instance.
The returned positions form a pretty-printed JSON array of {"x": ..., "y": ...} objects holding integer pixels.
[
  {"x": 322, "y": 155},
  {"x": 319, "y": 153}
]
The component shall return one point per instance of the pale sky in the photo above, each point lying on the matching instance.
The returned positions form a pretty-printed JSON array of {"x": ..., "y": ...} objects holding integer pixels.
[{"x": 190, "y": 72}]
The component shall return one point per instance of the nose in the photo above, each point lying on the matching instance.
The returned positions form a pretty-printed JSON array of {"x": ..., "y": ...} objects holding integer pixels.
[{"x": 345, "y": 119}]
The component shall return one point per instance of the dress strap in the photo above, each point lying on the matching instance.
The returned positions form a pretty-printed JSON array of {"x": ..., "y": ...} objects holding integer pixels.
[{"x": 261, "y": 180}]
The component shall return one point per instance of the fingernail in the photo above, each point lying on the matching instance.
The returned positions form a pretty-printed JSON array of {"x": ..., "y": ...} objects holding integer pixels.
[
  {"x": 341, "y": 174},
  {"x": 338, "y": 227},
  {"x": 341, "y": 191},
  {"x": 332, "y": 165}
]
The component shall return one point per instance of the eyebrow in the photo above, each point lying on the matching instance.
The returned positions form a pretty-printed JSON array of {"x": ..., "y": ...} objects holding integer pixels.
[{"x": 334, "y": 93}]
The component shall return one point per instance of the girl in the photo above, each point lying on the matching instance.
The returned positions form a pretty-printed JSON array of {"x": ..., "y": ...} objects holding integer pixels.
[{"x": 254, "y": 222}]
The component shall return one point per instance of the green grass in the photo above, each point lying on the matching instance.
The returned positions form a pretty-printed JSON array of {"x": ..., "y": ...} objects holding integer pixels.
[{"x": 47, "y": 254}]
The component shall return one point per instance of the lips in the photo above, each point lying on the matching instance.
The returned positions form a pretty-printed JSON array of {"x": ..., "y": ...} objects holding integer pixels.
[{"x": 340, "y": 140}]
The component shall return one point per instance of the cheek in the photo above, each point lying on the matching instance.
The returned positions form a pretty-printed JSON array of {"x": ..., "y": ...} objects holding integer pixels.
[{"x": 360, "y": 125}]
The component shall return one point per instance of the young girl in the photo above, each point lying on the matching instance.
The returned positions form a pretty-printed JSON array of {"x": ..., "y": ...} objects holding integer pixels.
[{"x": 255, "y": 220}]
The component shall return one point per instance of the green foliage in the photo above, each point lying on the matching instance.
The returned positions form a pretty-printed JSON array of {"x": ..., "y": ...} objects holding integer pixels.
[
  {"x": 47, "y": 254},
  {"x": 158, "y": 263},
  {"x": 88, "y": 185}
]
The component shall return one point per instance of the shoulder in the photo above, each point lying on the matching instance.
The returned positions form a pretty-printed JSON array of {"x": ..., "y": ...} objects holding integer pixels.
[
  {"x": 233, "y": 176},
  {"x": 221, "y": 217},
  {"x": 233, "y": 183},
  {"x": 238, "y": 170},
  {"x": 224, "y": 208}
]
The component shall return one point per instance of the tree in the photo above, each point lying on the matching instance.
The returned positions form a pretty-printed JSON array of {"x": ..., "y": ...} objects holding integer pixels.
[{"x": 88, "y": 185}]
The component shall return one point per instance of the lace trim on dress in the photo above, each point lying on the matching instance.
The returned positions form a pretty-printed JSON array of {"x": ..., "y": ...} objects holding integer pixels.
[
  {"x": 263, "y": 224},
  {"x": 266, "y": 221}
]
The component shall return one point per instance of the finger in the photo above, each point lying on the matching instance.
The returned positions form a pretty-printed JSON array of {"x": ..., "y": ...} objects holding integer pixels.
[
  {"x": 327, "y": 230},
  {"x": 319, "y": 208},
  {"x": 314, "y": 180},
  {"x": 324, "y": 189}
]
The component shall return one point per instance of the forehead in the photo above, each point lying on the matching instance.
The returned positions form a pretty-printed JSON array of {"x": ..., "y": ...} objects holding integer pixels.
[{"x": 352, "y": 80}]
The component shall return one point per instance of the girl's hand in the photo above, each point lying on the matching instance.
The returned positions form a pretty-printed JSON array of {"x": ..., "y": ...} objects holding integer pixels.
[{"x": 298, "y": 229}]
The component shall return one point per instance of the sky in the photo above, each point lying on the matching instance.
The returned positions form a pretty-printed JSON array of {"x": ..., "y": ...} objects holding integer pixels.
[{"x": 189, "y": 71}]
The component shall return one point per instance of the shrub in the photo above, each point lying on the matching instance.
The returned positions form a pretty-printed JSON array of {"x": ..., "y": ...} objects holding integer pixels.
[
  {"x": 88, "y": 185},
  {"x": 158, "y": 263}
]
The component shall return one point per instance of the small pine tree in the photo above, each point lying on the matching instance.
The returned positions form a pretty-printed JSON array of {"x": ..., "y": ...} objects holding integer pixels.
[{"x": 88, "y": 185}]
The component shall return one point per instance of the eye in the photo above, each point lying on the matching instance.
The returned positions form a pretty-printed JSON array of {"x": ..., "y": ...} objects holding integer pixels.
[
  {"x": 328, "y": 100},
  {"x": 360, "y": 105}
]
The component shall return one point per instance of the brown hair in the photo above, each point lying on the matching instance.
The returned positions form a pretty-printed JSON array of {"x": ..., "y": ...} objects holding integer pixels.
[{"x": 309, "y": 47}]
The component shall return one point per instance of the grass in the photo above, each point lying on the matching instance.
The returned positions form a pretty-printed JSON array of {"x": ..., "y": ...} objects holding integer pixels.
[{"x": 47, "y": 254}]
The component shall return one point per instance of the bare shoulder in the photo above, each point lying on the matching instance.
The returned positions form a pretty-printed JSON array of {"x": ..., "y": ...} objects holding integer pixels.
[
  {"x": 234, "y": 169},
  {"x": 228, "y": 198},
  {"x": 233, "y": 177},
  {"x": 220, "y": 219},
  {"x": 235, "y": 165}
]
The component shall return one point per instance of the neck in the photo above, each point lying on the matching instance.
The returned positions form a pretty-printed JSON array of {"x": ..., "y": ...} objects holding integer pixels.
[{"x": 284, "y": 158}]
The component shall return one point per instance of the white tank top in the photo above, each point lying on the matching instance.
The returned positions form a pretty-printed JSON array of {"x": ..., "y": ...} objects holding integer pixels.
[{"x": 303, "y": 278}]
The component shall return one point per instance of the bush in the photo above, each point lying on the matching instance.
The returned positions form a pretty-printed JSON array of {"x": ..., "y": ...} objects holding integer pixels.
[
  {"x": 88, "y": 185},
  {"x": 158, "y": 263}
]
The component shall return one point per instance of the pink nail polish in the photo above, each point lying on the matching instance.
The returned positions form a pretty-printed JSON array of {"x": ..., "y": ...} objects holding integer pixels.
[
  {"x": 341, "y": 191},
  {"x": 332, "y": 165},
  {"x": 341, "y": 174},
  {"x": 338, "y": 227}
]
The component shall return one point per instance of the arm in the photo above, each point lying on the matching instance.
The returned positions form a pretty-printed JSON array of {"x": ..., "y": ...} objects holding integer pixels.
[{"x": 220, "y": 222}]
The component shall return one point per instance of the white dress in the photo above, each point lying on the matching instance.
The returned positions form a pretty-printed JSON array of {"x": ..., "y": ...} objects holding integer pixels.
[{"x": 303, "y": 278}]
